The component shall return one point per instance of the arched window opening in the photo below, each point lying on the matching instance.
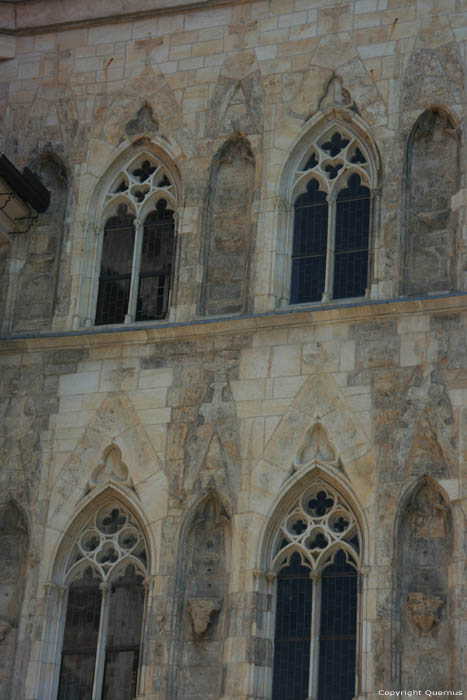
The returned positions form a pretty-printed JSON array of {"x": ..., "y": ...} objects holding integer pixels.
[
  {"x": 138, "y": 245},
  {"x": 331, "y": 220},
  {"x": 317, "y": 555},
  {"x": 102, "y": 633}
]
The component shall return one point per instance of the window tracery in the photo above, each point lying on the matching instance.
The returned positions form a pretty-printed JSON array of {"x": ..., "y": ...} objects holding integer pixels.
[
  {"x": 137, "y": 243},
  {"x": 105, "y": 572},
  {"x": 317, "y": 554},
  {"x": 331, "y": 196}
]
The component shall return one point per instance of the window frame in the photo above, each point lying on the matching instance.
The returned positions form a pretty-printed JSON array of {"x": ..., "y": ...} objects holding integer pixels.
[
  {"x": 57, "y": 592},
  {"x": 293, "y": 183},
  {"x": 316, "y": 573},
  {"x": 107, "y": 205}
]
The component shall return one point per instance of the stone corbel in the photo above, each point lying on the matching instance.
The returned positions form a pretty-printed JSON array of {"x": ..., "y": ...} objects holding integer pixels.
[
  {"x": 202, "y": 612},
  {"x": 424, "y": 611}
]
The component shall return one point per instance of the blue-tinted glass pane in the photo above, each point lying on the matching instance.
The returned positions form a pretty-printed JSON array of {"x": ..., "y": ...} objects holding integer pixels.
[
  {"x": 351, "y": 242},
  {"x": 156, "y": 264},
  {"x": 308, "y": 276},
  {"x": 337, "y": 645},
  {"x": 292, "y": 635},
  {"x": 116, "y": 264},
  {"x": 309, "y": 245}
]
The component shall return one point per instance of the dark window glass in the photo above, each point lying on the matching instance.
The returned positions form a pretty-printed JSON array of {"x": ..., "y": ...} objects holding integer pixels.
[
  {"x": 116, "y": 264},
  {"x": 80, "y": 639},
  {"x": 292, "y": 635},
  {"x": 351, "y": 242},
  {"x": 156, "y": 264},
  {"x": 123, "y": 637},
  {"x": 309, "y": 245},
  {"x": 337, "y": 645}
]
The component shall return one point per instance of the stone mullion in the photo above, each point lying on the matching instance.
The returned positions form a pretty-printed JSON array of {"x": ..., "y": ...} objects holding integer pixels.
[
  {"x": 135, "y": 269},
  {"x": 106, "y": 590},
  {"x": 314, "y": 637}
]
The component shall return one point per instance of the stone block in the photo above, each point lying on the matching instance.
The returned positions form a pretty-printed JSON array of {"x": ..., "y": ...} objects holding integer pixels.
[{"x": 285, "y": 360}]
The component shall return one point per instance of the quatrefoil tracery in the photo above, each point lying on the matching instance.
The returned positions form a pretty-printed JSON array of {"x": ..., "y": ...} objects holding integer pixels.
[
  {"x": 319, "y": 524},
  {"x": 140, "y": 184},
  {"x": 334, "y": 157},
  {"x": 111, "y": 540}
]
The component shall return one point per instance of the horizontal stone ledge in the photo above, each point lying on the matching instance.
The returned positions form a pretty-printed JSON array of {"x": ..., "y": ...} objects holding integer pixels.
[
  {"x": 30, "y": 16},
  {"x": 142, "y": 333}
]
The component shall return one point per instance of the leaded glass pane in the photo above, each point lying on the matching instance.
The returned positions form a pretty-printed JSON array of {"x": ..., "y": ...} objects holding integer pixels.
[
  {"x": 156, "y": 264},
  {"x": 123, "y": 636},
  {"x": 80, "y": 639},
  {"x": 293, "y": 629},
  {"x": 309, "y": 245},
  {"x": 337, "y": 645},
  {"x": 116, "y": 265},
  {"x": 351, "y": 241}
]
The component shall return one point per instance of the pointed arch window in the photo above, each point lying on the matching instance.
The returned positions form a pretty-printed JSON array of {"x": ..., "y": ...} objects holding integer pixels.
[
  {"x": 105, "y": 575},
  {"x": 317, "y": 556},
  {"x": 137, "y": 250},
  {"x": 331, "y": 220}
]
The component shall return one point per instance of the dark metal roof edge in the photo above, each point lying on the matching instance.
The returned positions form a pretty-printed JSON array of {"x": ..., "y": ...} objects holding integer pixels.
[{"x": 26, "y": 184}]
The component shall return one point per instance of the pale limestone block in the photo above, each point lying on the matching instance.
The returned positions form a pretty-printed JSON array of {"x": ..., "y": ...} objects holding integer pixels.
[
  {"x": 73, "y": 419},
  {"x": 287, "y": 438},
  {"x": 277, "y": 336},
  {"x": 70, "y": 403},
  {"x": 366, "y": 421},
  {"x": 28, "y": 70},
  {"x": 292, "y": 19},
  {"x": 287, "y": 387},
  {"x": 346, "y": 434},
  {"x": 413, "y": 349},
  {"x": 285, "y": 360},
  {"x": 254, "y": 363},
  {"x": 270, "y": 424},
  {"x": 151, "y": 416},
  {"x": 7, "y": 46},
  {"x": 347, "y": 355},
  {"x": 415, "y": 323},
  {"x": 148, "y": 398},
  {"x": 154, "y": 496},
  {"x": 268, "y": 392},
  {"x": 90, "y": 366},
  {"x": 201, "y": 20},
  {"x": 248, "y": 389},
  {"x": 456, "y": 396},
  {"x": 247, "y": 409},
  {"x": 254, "y": 440},
  {"x": 266, "y": 482},
  {"x": 266, "y": 53},
  {"x": 452, "y": 488},
  {"x": 320, "y": 357},
  {"x": 91, "y": 402},
  {"x": 82, "y": 383},
  {"x": 334, "y": 50},
  {"x": 158, "y": 436},
  {"x": 118, "y": 379},
  {"x": 108, "y": 33},
  {"x": 318, "y": 396},
  {"x": 275, "y": 407},
  {"x": 386, "y": 48},
  {"x": 153, "y": 378},
  {"x": 356, "y": 390}
]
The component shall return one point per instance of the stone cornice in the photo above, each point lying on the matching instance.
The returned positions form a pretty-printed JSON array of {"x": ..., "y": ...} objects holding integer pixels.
[
  {"x": 36, "y": 16},
  {"x": 287, "y": 318}
]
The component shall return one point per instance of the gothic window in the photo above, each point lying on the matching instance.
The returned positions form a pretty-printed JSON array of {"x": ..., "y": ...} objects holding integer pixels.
[
  {"x": 331, "y": 195},
  {"x": 317, "y": 556},
  {"x": 137, "y": 249},
  {"x": 104, "y": 614}
]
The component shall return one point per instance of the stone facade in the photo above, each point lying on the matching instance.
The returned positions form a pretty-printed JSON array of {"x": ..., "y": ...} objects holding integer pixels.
[{"x": 208, "y": 424}]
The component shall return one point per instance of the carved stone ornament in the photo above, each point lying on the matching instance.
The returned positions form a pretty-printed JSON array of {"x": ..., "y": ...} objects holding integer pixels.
[
  {"x": 144, "y": 122},
  {"x": 335, "y": 95},
  {"x": 316, "y": 450},
  {"x": 112, "y": 468},
  {"x": 202, "y": 612},
  {"x": 423, "y": 611}
]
